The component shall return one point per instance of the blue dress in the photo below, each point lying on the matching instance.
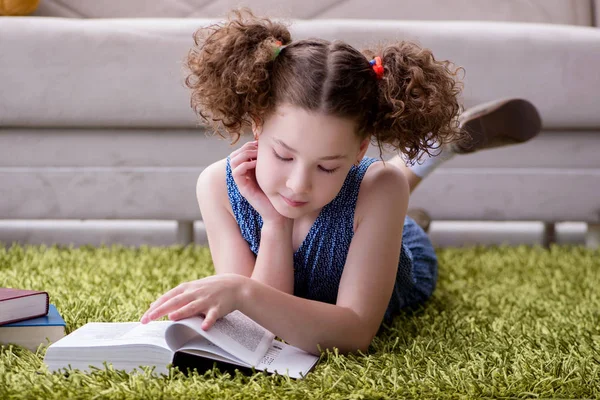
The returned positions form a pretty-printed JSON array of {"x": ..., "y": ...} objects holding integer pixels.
[{"x": 320, "y": 259}]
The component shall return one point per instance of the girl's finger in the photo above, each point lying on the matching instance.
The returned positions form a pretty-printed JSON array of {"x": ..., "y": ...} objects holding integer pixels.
[
  {"x": 242, "y": 169},
  {"x": 241, "y": 157},
  {"x": 161, "y": 300},
  {"x": 192, "y": 309},
  {"x": 245, "y": 179},
  {"x": 246, "y": 146},
  {"x": 170, "y": 305},
  {"x": 169, "y": 295},
  {"x": 211, "y": 317}
]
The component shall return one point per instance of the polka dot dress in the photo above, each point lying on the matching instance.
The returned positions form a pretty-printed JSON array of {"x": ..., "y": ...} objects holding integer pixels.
[{"x": 319, "y": 261}]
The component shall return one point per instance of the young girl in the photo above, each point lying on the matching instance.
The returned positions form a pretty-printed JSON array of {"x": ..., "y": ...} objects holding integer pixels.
[{"x": 308, "y": 237}]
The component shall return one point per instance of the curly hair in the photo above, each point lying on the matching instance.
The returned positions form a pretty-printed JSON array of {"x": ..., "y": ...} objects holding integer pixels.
[{"x": 236, "y": 80}]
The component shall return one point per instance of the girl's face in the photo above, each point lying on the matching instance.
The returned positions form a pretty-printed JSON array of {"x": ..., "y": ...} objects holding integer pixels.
[{"x": 304, "y": 157}]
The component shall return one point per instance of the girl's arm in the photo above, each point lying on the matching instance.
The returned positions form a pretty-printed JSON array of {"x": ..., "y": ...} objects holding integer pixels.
[
  {"x": 366, "y": 284},
  {"x": 229, "y": 250},
  {"x": 275, "y": 261},
  {"x": 364, "y": 292}
]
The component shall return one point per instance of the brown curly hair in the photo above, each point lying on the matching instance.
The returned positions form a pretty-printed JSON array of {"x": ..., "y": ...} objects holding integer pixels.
[{"x": 236, "y": 79}]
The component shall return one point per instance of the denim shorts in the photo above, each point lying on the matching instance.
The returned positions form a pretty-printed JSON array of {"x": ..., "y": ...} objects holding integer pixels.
[{"x": 417, "y": 270}]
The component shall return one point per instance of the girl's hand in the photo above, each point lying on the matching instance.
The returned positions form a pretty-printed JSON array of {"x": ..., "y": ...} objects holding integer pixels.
[
  {"x": 243, "y": 168},
  {"x": 214, "y": 297}
]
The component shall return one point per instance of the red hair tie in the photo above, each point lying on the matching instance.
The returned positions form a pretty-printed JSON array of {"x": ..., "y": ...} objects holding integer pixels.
[
  {"x": 377, "y": 66},
  {"x": 277, "y": 49}
]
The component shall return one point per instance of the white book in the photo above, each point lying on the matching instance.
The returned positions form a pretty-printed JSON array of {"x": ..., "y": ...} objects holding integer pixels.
[{"x": 234, "y": 339}]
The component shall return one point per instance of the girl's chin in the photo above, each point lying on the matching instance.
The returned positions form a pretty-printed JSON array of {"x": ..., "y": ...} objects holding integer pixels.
[{"x": 288, "y": 212}]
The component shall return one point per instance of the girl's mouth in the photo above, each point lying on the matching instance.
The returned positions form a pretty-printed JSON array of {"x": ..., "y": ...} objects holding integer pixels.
[{"x": 293, "y": 203}]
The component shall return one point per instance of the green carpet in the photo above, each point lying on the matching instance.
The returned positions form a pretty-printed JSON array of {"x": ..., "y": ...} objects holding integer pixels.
[{"x": 504, "y": 322}]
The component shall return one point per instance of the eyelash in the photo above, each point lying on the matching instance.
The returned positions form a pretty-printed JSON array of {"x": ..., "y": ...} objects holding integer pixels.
[{"x": 327, "y": 171}]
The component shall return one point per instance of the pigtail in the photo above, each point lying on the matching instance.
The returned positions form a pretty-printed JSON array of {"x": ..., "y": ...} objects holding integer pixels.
[
  {"x": 229, "y": 71},
  {"x": 418, "y": 100}
]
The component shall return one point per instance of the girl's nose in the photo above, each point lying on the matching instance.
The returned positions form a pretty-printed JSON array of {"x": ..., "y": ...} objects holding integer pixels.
[{"x": 299, "y": 182}]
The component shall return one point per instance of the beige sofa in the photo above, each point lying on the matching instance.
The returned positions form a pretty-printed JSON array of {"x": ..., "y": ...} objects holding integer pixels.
[{"x": 95, "y": 120}]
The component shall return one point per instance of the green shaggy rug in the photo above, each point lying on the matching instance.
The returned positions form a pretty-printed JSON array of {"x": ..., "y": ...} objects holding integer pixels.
[{"x": 516, "y": 322}]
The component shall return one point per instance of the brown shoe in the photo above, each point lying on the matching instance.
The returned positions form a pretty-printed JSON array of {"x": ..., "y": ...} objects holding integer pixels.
[
  {"x": 421, "y": 217},
  {"x": 498, "y": 123}
]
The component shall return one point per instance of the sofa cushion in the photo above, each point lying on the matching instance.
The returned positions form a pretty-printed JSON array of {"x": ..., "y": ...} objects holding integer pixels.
[
  {"x": 128, "y": 72},
  {"x": 578, "y": 12},
  {"x": 572, "y": 12}
]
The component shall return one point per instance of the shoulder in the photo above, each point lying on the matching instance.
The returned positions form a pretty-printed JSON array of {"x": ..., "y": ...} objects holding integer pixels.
[
  {"x": 212, "y": 177},
  {"x": 213, "y": 173},
  {"x": 384, "y": 174},
  {"x": 384, "y": 188},
  {"x": 211, "y": 187}
]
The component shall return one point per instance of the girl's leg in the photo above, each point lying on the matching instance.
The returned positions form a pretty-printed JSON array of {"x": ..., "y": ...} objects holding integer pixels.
[
  {"x": 417, "y": 274},
  {"x": 494, "y": 124}
]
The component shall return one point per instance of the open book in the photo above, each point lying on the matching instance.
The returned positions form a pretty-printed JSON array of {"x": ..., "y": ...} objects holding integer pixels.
[{"x": 234, "y": 340}]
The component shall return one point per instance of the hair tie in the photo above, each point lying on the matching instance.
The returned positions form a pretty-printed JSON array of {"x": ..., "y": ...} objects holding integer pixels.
[
  {"x": 276, "y": 49},
  {"x": 377, "y": 66}
]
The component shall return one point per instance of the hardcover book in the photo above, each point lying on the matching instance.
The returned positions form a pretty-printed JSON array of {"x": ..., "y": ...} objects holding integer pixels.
[
  {"x": 234, "y": 340},
  {"x": 19, "y": 304},
  {"x": 33, "y": 332}
]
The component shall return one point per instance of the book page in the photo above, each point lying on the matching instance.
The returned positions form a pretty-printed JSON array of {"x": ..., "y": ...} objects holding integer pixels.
[
  {"x": 125, "y": 345},
  {"x": 235, "y": 333},
  {"x": 151, "y": 333},
  {"x": 96, "y": 334},
  {"x": 287, "y": 360}
]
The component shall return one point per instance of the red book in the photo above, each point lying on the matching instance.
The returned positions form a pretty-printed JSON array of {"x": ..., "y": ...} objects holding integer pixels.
[{"x": 18, "y": 304}]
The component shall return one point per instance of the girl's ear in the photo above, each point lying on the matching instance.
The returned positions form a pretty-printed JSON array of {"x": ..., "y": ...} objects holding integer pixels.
[
  {"x": 256, "y": 128},
  {"x": 364, "y": 146}
]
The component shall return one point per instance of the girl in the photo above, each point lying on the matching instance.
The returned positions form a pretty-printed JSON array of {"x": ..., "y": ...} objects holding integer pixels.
[{"x": 308, "y": 237}]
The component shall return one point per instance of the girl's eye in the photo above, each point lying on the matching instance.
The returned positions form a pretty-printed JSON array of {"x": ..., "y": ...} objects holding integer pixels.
[
  {"x": 281, "y": 158},
  {"x": 328, "y": 171}
]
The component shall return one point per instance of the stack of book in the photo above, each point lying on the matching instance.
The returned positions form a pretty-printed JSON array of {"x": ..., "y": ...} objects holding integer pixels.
[{"x": 28, "y": 319}]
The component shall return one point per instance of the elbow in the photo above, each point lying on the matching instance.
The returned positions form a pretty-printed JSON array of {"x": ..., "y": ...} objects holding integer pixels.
[
  {"x": 349, "y": 334},
  {"x": 356, "y": 346},
  {"x": 362, "y": 345},
  {"x": 364, "y": 333},
  {"x": 360, "y": 341},
  {"x": 344, "y": 344}
]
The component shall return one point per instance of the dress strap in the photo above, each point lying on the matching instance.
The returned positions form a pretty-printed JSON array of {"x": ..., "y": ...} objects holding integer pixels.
[{"x": 348, "y": 195}]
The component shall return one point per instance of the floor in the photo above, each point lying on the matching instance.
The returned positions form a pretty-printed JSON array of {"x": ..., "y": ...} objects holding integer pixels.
[{"x": 161, "y": 233}]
